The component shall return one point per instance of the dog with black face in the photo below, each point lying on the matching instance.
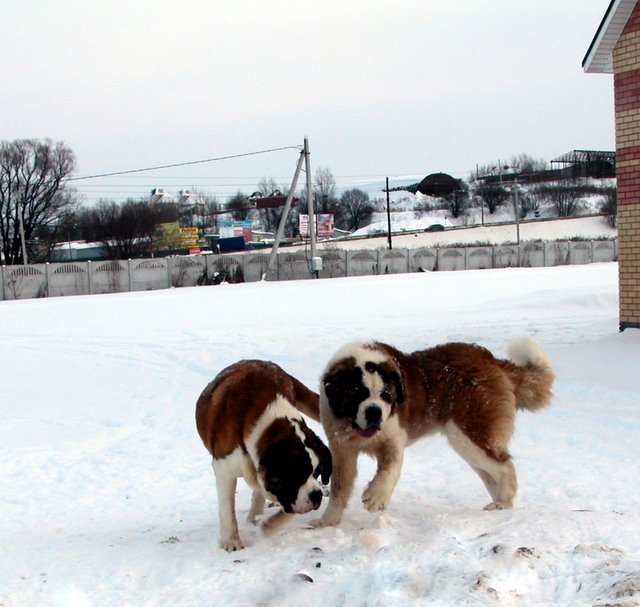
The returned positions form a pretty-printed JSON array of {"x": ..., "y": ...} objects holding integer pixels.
[
  {"x": 250, "y": 420},
  {"x": 377, "y": 400}
]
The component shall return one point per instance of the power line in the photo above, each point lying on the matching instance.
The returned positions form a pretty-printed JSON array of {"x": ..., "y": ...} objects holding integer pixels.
[{"x": 181, "y": 164}]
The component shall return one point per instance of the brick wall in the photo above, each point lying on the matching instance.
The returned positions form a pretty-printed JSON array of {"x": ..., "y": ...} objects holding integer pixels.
[{"x": 626, "y": 69}]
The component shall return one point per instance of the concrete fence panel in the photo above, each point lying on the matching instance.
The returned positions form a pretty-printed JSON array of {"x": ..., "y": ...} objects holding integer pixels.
[
  {"x": 149, "y": 274},
  {"x": 506, "y": 256},
  {"x": 293, "y": 266},
  {"x": 479, "y": 258},
  {"x": 109, "y": 277},
  {"x": 255, "y": 266},
  {"x": 227, "y": 268},
  {"x": 395, "y": 261},
  {"x": 25, "y": 282},
  {"x": 69, "y": 279},
  {"x": 362, "y": 263},
  {"x": 556, "y": 253},
  {"x": 452, "y": 259},
  {"x": 604, "y": 250},
  {"x": 423, "y": 260},
  {"x": 187, "y": 271},
  {"x": 334, "y": 264},
  {"x": 580, "y": 252},
  {"x": 532, "y": 255}
]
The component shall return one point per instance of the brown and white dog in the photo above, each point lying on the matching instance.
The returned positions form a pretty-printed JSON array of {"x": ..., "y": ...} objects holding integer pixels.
[
  {"x": 376, "y": 399},
  {"x": 249, "y": 418}
]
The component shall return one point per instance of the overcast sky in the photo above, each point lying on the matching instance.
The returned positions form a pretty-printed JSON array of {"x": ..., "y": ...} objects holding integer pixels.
[{"x": 404, "y": 87}]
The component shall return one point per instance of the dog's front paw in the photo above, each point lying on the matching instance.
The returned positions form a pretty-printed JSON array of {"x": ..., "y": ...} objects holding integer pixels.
[
  {"x": 275, "y": 521},
  {"x": 375, "y": 498},
  {"x": 231, "y": 544},
  {"x": 253, "y": 517},
  {"x": 330, "y": 518}
]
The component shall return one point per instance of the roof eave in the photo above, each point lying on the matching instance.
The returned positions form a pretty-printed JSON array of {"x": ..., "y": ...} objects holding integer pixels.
[{"x": 599, "y": 56}]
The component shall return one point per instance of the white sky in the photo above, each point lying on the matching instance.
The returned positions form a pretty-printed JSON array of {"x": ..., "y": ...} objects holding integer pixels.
[{"x": 380, "y": 88}]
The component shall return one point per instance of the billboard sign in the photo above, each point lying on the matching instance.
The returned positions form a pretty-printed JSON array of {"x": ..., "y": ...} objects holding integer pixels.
[
  {"x": 230, "y": 228},
  {"x": 324, "y": 226}
]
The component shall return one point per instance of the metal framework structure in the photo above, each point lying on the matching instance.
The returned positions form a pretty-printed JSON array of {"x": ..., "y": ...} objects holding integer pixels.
[
  {"x": 587, "y": 163},
  {"x": 585, "y": 157}
]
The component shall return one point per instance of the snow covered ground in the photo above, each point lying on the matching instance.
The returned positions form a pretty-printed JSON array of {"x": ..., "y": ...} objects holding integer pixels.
[{"x": 107, "y": 496}]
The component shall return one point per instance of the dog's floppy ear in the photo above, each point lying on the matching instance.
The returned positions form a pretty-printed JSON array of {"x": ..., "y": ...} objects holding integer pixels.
[
  {"x": 332, "y": 383},
  {"x": 322, "y": 451},
  {"x": 326, "y": 463}
]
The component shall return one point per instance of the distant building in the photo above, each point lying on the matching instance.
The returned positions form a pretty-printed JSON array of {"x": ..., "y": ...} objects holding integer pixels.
[{"x": 615, "y": 49}]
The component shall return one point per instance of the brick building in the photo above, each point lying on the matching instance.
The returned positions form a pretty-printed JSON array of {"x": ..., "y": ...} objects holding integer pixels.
[{"x": 615, "y": 49}]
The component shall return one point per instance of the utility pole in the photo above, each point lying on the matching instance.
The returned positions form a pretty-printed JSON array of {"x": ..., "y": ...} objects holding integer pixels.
[
  {"x": 285, "y": 213},
  {"x": 481, "y": 198},
  {"x": 316, "y": 262},
  {"x": 515, "y": 205},
  {"x": 389, "y": 216}
]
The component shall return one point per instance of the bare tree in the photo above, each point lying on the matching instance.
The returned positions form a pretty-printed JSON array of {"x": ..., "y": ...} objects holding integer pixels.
[
  {"x": 458, "y": 201},
  {"x": 125, "y": 230},
  {"x": 609, "y": 205},
  {"x": 354, "y": 209},
  {"x": 492, "y": 195},
  {"x": 527, "y": 203},
  {"x": 33, "y": 191},
  {"x": 528, "y": 164},
  {"x": 270, "y": 217},
  {"x": 239, "y": 206},
  {"x": 565, "y": 197},
  {"x": 211, "y": 212},
  {"x": 324, "y": 190}
]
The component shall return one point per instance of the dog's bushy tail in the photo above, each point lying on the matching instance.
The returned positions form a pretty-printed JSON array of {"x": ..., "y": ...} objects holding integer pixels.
[{"x": 532, "y": 374}]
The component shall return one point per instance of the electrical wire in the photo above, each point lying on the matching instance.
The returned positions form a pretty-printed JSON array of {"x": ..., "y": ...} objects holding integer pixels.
[{"x": 182, "y": 164}]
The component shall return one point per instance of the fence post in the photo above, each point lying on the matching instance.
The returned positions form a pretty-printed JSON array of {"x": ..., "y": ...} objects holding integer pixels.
[
  {"x": 46, "y": 278},
  {"x": 129, "y": 274},
  {"x": 4, "y": 295},
  {"x": 90, "y": 277}
]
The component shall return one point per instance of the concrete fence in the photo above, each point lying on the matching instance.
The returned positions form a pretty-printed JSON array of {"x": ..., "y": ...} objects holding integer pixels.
[{"x": 84, "y": 278}]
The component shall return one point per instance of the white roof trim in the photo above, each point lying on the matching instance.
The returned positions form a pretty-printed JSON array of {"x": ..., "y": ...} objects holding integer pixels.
[{"x": 599, "y": 57}]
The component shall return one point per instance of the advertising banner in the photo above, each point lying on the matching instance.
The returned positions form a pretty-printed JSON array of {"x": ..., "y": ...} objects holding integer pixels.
[{"x": 324, "y": 226}]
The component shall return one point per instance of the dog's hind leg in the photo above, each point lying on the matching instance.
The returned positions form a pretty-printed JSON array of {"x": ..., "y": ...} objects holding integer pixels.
[
  {"x": 498, "y": 475},
  {"x": 487, "y": 479},
  {"x": 504, "y": 476},
  {"x": 501, "y": 482}
]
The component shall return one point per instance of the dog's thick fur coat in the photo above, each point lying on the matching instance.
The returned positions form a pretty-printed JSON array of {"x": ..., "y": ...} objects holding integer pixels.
[{"x": 376, "y": 399}]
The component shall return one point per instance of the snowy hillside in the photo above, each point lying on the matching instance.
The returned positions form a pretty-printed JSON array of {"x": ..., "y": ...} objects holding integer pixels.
[
  {"x": 559, "y": 229},
  {"x": 415, "y": 212},
  {"x": 108, "y": 496}
]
